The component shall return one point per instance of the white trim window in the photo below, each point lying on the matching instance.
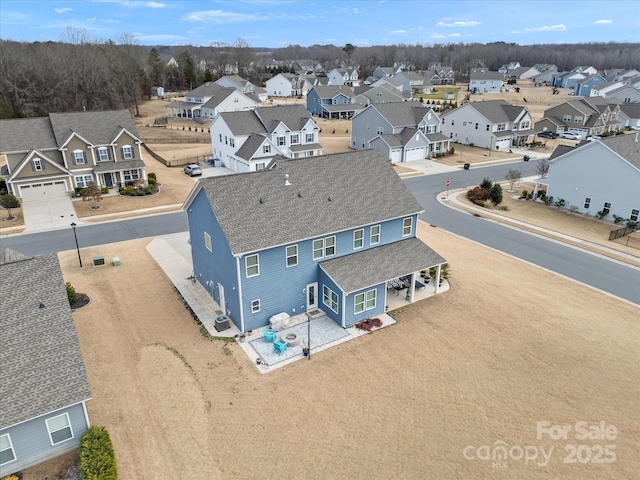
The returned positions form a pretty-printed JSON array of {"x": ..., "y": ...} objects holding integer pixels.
[
  {"x": 324, "y": 247},
  {"x": 358, "y": 239},
  {"x": 36, "y": 163},
  {"x": 407, "y": 226},
  {"x": 295, "y": 139},
  {"x": 330, "y": 298},
  {"x": 127, "y": 152},
  {"x": 266, "y": 149},
  {"x": 6, "y": 449},
  {"x": 374, "y": 235},
  {"x": 252, "y": 265},
  {"x": 82, "y": 181},
  {"x": 292, "y": 256},
  {"x": 310, "y": 138},
  {"x": 282, "y": 141},
  {"x": 130, "y": 175},
  {"x": 364, "y": 301},
  {"x": 207, "y": 241},
  {"x": 78, "y": 157},
  {"x": 59, "y": 428},
  {"x": 260, "y": 166},
  {"x": 255, "y": 306},
  {"x": 103, "y": 154}
]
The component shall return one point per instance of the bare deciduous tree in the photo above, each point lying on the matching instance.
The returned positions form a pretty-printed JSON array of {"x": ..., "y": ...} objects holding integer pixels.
[
  {"x": 543, "y": 167},
  {"x": 512, "y": 177}
]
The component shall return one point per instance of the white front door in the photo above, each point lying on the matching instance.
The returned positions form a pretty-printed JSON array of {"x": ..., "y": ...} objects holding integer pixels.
[{"x": 312, "y": 296}]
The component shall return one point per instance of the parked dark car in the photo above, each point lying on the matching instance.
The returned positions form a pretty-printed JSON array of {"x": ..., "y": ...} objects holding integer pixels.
[
  {"x": 547, "y": 134},
  {"x": 526, "y": 158}
]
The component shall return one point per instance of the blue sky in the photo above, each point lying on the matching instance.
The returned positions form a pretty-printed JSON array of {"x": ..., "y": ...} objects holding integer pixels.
[{"x": 278, "y": 23}]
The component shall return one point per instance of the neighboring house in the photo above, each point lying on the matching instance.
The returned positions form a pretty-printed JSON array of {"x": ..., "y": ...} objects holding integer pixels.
[
  {"x": 586, "y": 69},
  {"x": 413, "y": 83},
  {"x": 625, "y": 94},
  {"x": 322, "y": 234},
  {"x": 547, "y": 77},
  {"x": 586, "y": 116},
  {"x": 51, "y": 156},
  {"x": 508, "y": 67},
  {"x": 394, "y": 83},
  {"x": 598, "y": 176},
  {"x": 482, "y": 80},
  {"x": 332, "y": 102},
  {"x": 629, "y": 115},
  {"x": 570, "y": 80},
  {"x": 521, "y": 73},
  {"x": 402, "y": 132},
  {"x": 285, "y": 85},
  {"x": 157, "y": 91},
  {"x": 43, "y": 385},
  {"x": 382, "y": 72},
  {"x": 209, "y": 99},
  {"x": 344, "y": 76},
  {"x": 243, "y": 86},
  {"x": 248, "y": 141},
  {"x": 440, "y": 75},
  {"x": 366, "y": 95},
  {"x": 602, "y": 89},
  {"x": 495, "y": 124},
  {"x": 583, "y": 87}
]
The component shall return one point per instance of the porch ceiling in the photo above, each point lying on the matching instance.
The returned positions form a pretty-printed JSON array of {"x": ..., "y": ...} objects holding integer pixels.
[
  {"x": 378, "y": 265},
  {"x": 105, "y": 167}
]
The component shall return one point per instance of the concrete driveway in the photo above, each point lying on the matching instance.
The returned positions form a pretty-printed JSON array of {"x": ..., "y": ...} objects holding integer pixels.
[{"x": 48, "y": 214}]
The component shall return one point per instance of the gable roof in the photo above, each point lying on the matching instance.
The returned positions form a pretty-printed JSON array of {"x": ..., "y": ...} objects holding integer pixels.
[
  {"x": 482, "y": 74},
  {"x": 627, "y": 146},
  {"x": 250, "y": 146},
  {"x": 331, "y": 91},
  {"x": 99, "y": 128},
  {"x": 42, "y": 367},
  {"x": 293, "y": 116},
  {"x": 496, "y": 111},
  {"x": 327, "y": 194},
  {"x": 219, "y": 94},
  {"x": 405, "y": 114},
  {"x": 24, "y": 134}
]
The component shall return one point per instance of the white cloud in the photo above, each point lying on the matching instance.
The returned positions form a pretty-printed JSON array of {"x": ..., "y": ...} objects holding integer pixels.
[
  {"x": 63, "y": 9},
  {"x": 454, "y": 35},
  {"x": 437, "y": 35},
  {"x": 471, "y": 23},
  {"x": 220, "y": 17},
  {"x": 162, "y": 38},
  {"x": 547, "y": 28},
  {"x": 155, "y": 5},
  {"x": 397, "y": 31},
  {"x": 603, "y": 22}
]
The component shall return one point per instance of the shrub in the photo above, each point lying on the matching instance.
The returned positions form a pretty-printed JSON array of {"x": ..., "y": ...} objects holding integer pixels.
[
  {"x": 152, "y": 181},
  {"x": 617, "y": 219},
  {"x": 547, "y": 200},
  {"x": 129, "y": 190},
  {"x": 601, "y": 214},
  {"x": 486, "y": 183},
  {"x": 97, "y": 458},
  {"x": 478, "y": 195},
  {"x": 573, "y": 208},
  {"x": 631, "y": 223},
  {"x": 71, "y": 293},
  {"x": 524, "y": 194},
  {"x": 559, "y": 203},
  {"x": 495, "y": 195},
  {"x": 152, "y": 175},
  {"x": 104, "y": 190},
  {"x": 452, "y": 151}
]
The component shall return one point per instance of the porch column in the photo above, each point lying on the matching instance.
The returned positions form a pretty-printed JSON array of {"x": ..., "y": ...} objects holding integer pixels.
[
  {"x": 412, "y": 288},
  {"x": 437, "y": 279},
  {"x": 535, "y": 190}
]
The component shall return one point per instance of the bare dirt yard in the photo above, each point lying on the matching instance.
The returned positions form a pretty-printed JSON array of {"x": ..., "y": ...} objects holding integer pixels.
[{"x": 508, "y": 346}]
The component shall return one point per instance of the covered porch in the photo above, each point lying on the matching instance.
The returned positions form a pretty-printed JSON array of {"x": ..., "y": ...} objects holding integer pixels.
[
  {"x": 120, "y": 174},
  {"x": 344, "y": 111},
  {"x": 183, "y": 110}
]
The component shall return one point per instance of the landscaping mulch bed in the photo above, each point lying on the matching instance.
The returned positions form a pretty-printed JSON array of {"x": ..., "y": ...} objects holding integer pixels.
[{"x": 82, "y": 300}]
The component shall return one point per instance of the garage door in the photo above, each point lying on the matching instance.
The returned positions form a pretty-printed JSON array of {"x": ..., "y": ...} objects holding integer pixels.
[
  {"x": 41, "y": 191},
  {"x": 396, "y": 156},
  {"x": 415, "y": 154}
]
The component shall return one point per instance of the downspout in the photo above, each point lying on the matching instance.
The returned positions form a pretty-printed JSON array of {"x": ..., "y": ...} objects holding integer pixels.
[
  {"x": 344, "y": 309},
  {"x": 86, "y": 415},
  {"x": 239, "y": 295}
]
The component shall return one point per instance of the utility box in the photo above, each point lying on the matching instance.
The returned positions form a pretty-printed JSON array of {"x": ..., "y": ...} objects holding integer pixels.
[{"x": 98, "y": 261}]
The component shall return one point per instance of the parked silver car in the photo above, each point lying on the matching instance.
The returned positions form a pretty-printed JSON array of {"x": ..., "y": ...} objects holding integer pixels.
[{"x": 192, "y": 170}]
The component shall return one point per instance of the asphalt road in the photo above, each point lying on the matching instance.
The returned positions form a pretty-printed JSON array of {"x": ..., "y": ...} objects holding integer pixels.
[{"x": 610, "y": 276}]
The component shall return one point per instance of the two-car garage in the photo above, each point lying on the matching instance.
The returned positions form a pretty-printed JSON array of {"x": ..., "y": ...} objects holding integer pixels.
[{"x": 42, "y": 191}]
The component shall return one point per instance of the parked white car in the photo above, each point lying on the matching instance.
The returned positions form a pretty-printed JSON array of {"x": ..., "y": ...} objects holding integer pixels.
[{"x": 570, "y": 136}]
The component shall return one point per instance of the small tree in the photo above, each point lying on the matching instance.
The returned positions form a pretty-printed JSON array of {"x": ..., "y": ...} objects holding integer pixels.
[
  {"x": 92, "y": 193},
  {"x": 543, "y": 167},
  {"x": 9, "y": 201},
  {"x": 486, "y": 183},
  {"x": 97, "y": 458},
  {"x": 495, "y": 194},
  {"x": 512, "y": 176},
  {"x": 71, "y": 293}
]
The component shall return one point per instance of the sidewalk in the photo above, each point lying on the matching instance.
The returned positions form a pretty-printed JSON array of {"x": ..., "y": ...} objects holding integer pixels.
[{"x": 452, "y": 201}]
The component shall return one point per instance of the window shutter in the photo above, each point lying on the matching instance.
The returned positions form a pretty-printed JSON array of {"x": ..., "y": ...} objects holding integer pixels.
[
  {"x": 84, "y": 156},
  {"x": 33, "y": 166},
  {"x": 73, "y": 158},
  {"x": 44, "y": 167},
  {"x": 121, "y": 153},
  {"x": 108, "y": 153}
]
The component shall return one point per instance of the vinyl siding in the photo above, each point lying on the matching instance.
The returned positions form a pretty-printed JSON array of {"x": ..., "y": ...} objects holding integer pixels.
[
  {"x": 32, "y": 444},
  {"x": 351, "y": 317}
]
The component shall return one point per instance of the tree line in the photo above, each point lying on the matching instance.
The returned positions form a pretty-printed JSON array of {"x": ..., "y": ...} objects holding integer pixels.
[{"x": 79, "y": 73}]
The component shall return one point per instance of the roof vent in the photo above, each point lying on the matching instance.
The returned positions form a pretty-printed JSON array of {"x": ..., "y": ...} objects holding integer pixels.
[
  {"x": 328, "y": 199},
  {"x": 299, "y": 195},
  {"x": 42, "y": 306},
  {"x": 286, "y": 179},
  {"x": 261, "y": 201}
]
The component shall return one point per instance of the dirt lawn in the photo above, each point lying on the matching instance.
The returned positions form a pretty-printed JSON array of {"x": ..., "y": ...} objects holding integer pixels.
[{"x": 480, "y": 364}]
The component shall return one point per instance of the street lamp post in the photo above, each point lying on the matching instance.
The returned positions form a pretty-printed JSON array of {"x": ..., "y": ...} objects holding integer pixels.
[{"x": 73, "y": 225}]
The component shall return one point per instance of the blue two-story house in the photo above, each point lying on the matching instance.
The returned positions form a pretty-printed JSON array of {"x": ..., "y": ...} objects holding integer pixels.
[
  {"x": 327, "y": 233},
  {"x": 332, "y": 102}
]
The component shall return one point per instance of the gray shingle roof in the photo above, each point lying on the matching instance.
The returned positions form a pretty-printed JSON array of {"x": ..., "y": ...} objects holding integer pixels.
[
  {"x": 218, "y": 95},
  {"x": 99, "y": 128},
  {"x": 376, "y": 265},
  {"x": 627, "y": 146},
  {"x": 250, "y": 146},
  {"x": 405, "y": 114},
  {"x": 24, "y": 134},
  {"x": 330, "y": 91},
  {"x": 42, "y": 367},
  {"x": 329, "y": 193},
  {"x": 266, "y": 119}
]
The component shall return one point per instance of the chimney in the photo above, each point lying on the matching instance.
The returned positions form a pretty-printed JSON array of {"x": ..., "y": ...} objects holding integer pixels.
[{"x": 286, "y": 179}]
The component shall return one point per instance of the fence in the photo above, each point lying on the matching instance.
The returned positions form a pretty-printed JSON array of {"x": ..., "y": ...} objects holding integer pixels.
[
  {"x": 178, "y": 162},
  {"x": 621, "y": 232}
]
